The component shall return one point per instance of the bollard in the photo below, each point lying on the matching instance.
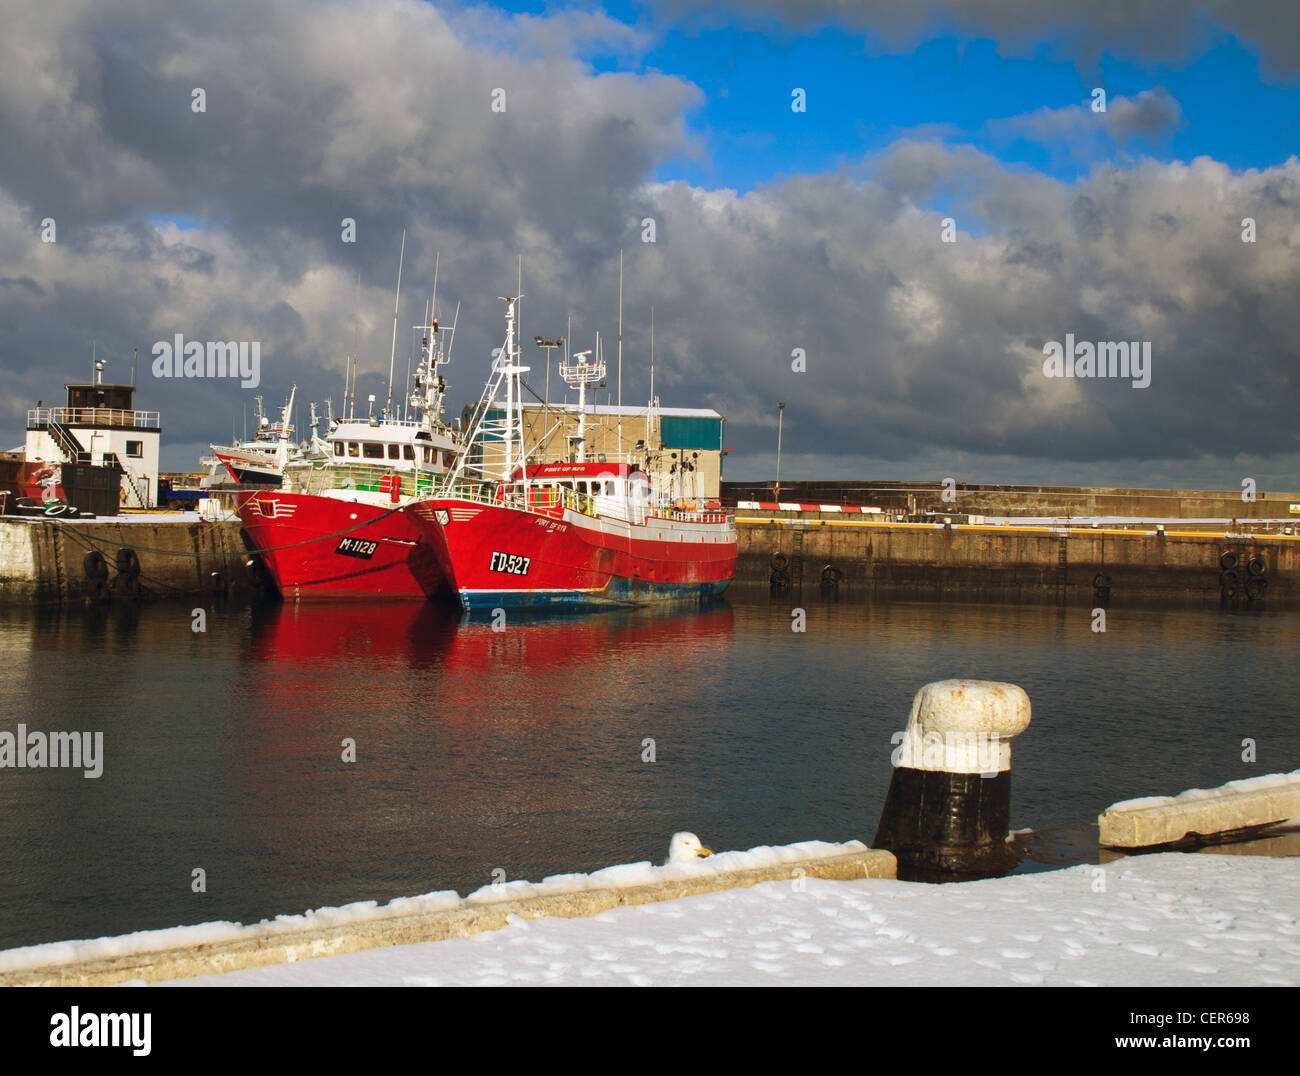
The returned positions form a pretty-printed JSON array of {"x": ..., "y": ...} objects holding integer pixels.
[{"x": 948, "y": 809}]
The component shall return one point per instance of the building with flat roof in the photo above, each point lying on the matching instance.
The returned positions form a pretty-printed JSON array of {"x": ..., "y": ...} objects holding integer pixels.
[
  {"x": 99, "y": 427},
  {"x": 681, "y": 448}
]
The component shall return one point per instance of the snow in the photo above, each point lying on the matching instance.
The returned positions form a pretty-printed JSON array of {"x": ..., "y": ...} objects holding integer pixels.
[
  {"x": 627, "y": 874},
  {"x": 630, "y": 874},
  {"x": 142, "y": 941},
  {"x": 1159, "y": 920},
  {"x": 1248, "y": 784}
]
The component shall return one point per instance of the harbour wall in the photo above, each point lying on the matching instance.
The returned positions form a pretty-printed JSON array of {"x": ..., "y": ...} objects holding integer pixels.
[
  {"x": 919, "y": 497},
  {"x": 988, "y": 563},
  {"x": 46, "y": 562}
]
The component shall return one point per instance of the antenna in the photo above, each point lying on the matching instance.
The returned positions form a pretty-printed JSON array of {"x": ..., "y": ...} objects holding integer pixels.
[
  {"x": 620, "y": 356},
  {"x": 356, "y": 310},
  {"x": 392, "y": 355},
  {"x": 433, "y": 302},
  {"x": 650, "y": 408}
]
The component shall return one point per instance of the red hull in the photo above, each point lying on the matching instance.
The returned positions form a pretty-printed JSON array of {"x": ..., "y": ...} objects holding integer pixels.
[
  {"x": 498, "y": 556},
  {"x": 22, "y": 479},
  {"x": 340, "y": 548}
]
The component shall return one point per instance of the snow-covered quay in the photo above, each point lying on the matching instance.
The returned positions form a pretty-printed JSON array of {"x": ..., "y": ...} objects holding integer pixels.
[{"x": 1173, "y": 919}]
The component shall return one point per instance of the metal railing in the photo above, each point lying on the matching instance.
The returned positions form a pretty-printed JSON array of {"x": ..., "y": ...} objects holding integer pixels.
[
  {"x": 360, "y": 477},
  {"x": 694, "y": 515},
  {"x": 553, "y": 501},
  {"x": 38, "y": 417}
]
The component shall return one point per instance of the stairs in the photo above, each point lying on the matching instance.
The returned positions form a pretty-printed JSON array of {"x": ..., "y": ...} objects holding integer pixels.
[
  {"x": 141, "y": 498},
  {"x": 68, "y": 445}
]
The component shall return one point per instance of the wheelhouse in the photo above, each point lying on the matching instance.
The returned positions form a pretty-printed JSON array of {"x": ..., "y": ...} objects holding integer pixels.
[{"x": 401, "y": 446}]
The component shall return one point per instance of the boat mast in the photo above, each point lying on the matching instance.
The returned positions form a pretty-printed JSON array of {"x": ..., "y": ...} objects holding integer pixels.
[
  {"x": 620, "y": 357},
  {"x": 351, "y": 408},
  {"x": 392, "y": 356},
  {"x": 578, "y": 375},
  {"x": 514, "y": 400}
]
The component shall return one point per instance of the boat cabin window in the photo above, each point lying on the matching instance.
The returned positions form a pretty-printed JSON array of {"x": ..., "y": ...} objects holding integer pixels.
[
  {"x": 135, "y": 449},
  {"x": 353, "y": 449},
  {"x": 338, "y": 448},
  {"x": 372, "y": 451},
  {"x": 394, "y": 452},
  {"x": 408, "y": 452}
]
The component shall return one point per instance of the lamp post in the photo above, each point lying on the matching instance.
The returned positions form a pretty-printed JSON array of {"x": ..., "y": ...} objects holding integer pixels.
[
  {"x": 547, "y": 345},
  {"x": 780, "y": 424}
]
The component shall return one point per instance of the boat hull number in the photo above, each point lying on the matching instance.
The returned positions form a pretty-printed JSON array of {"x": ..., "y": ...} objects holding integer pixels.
[
  {"x": 509, "y": 563},
  {"x": 357, "y": 547}
]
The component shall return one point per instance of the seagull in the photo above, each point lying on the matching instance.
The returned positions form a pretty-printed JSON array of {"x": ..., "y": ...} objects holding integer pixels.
[{"x": 686, "y": 847}]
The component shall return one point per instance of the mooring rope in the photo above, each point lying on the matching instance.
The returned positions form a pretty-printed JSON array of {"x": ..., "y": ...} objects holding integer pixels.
[{"x": 239, "y": 552}]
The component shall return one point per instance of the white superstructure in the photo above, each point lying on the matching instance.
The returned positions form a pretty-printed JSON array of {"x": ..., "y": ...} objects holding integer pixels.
[{"x": 100, "y": 426}]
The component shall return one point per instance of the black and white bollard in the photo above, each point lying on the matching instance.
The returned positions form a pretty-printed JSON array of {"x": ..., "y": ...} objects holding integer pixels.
[{"x": 948, "y": 809}]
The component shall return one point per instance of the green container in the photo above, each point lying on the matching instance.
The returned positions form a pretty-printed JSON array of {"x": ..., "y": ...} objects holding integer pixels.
[{"x": 96, "y": 490}]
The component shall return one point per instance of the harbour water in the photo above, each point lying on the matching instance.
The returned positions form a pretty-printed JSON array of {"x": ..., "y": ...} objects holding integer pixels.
[{"x": 561, "y": 743}]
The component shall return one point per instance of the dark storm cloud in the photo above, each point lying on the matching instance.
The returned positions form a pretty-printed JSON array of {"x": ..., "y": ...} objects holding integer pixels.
[
  {"x": 915, "y": 345},
  {"x": 1149, "y": 114},
  {"x": 314, "y": 112}
]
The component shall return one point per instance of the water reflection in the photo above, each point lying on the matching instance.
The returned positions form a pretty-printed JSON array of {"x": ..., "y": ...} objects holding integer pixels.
[{"x": 524, "y": 749}]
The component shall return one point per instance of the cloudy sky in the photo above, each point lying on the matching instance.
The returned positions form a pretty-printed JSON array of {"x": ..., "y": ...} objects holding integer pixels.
[{"x": 799, "y": 160}]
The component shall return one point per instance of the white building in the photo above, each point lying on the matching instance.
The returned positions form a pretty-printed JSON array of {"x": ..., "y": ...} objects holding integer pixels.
[{"x": 99, "y": 426}]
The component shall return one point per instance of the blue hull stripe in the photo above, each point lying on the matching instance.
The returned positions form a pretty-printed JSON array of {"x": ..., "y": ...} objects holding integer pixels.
[{"x": 618, "y": 594}]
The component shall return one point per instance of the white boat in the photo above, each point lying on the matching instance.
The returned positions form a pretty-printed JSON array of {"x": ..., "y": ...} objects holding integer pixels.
[{"x": 261, "y": 461}]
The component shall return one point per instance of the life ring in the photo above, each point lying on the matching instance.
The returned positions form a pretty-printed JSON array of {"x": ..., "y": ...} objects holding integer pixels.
[
  {"x": 127, "y": 562},
  {"x": 1256, "y": 566},
  {"x": 94, "y": 566},
  {"x": 1228, "y": 560},
  {"x": 56, "y": 510},
  {"x": 1101, "y": 581}
]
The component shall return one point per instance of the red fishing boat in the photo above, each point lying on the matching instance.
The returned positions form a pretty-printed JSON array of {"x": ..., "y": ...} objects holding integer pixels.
[
  {"x": 336, "y": 529},
  {"x": 568, "y": 535}
]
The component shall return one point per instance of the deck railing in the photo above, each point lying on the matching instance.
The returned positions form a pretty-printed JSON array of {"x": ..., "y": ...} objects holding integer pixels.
[
  {"x": 38, "y": 417},
  {"x": 358, "y": 476},
  {"x": 554, "y": 501}
]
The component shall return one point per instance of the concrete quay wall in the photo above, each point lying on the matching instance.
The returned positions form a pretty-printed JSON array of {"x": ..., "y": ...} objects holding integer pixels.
[
  {"x": 968, "y": 499},
  {"x": 45, "y": 562},
  {"x": 1009, "y": 563}
]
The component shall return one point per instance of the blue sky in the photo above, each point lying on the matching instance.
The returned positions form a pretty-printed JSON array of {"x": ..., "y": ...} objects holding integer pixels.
[{"x": 862, "y": 97}]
